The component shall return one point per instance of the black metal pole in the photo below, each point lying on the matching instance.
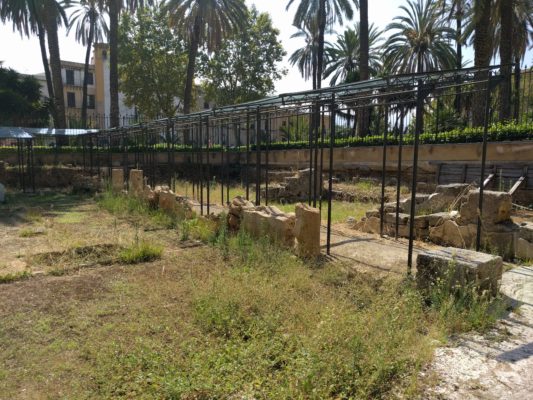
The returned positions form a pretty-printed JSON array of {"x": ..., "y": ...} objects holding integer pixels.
[
  {"x": 483, "y": 162},
  {"x": 258, "y": 160},
  {"x": 208, "y": 166},
  {"x": 247, "y": 156},
  {"x": 330, "y": 172},
  {"x": 418, "y": 130},
  {"x": 200, "y": 133},
  {"x": 399, "y": 173},
  {"x": 268, "y": 127},
  {"x": 383, "y": 174}
]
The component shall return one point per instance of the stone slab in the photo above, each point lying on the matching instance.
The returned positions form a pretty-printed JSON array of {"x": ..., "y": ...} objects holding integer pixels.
[
  {"x": 117, "y": 180},
  {"x": 524, "y": 249},
  {"x": 307, "y": 231},
  {"x": 459, "y": 267}
]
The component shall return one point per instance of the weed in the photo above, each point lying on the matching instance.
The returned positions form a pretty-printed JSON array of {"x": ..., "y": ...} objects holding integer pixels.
[
  {"x": 460, "y": 306},
  {"x": 139, "y": 252}
]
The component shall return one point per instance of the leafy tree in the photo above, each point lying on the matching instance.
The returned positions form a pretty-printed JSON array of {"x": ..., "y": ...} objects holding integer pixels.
[
  {"x": 246, "y": 67},
  {"x": 343, "y": 57},
  {"x": 20, "y": 100},
  {"x": 41, "y": 17},
  {"x": 421, "y": 41},
  {"x": 90, "y": 27},
  {"x": 153, "y": 63},
  {"x": 204, "y": 23}
]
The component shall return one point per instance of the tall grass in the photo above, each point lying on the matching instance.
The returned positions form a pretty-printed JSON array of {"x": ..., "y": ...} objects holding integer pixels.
[{"x": 137, "y": 209}]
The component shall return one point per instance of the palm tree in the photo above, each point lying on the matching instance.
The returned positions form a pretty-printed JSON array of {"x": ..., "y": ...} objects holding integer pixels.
[
  {"x": 305, "y": 57},
  {"x": 421, "y": 41},
  {"x": 326, "y": 13},
  {"x": 483, "y": 44},
  {"x": 343, "y": 58},
  {"x": 364, "y": 41},
  {"x": 114, "y": 8},
  {"x": 90, "y": 27},
  {"x": 204, "y": 23},
  {"x": 513, "y": 34},
  {"x": 30, "y": 17}
]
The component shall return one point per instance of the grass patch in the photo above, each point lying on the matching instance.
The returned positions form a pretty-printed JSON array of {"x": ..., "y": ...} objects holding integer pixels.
[
  {"x": 72, "y": 217},
  {"x": 137, "y": 210},
  {"x": 139, "y": 252},
  {"x": 31, "y": 232},
  {"x": 17, "y": 276}
]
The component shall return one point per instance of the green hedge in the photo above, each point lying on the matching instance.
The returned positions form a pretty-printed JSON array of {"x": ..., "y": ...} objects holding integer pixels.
[{"x": 497, "y": 133}]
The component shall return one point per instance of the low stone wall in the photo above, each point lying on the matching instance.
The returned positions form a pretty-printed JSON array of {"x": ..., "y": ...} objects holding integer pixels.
[{"x": 299, "y": 231}]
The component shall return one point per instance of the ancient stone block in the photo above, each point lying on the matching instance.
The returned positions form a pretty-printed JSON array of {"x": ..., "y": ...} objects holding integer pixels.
[
  {"x": 438, "y": 218},
  {"x": 373, "y": 213},
  {"x": 526, "y": 231},
  {"x": 451, "y": 234},
  {"x": 307, "y": 230},
  {"x": 459, "y": 267},
  {"x": 403, "y": 219},
  {"x": 281, "y": 229},
  {"x": 117, "y": 179},
  {"x": 167, "y": 201},
  {"x": 496, "y": 207},
  {"x": 136, "y": 182},
  {"x": 453, "y": 189},
  {"x": 370, "y": 225},
  {"x": 524, "y": 249}
]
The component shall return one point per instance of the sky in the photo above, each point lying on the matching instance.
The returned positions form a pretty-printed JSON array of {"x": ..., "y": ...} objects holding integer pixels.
[{"x": 23, "y": 54}]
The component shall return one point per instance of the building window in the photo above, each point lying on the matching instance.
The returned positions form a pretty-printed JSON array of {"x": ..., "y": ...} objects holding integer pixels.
[
  {"x": 90, "y": 78},
  {"x": 70, "y": 77},
  {"x": 71, "y": 99},
  {"x": 90, "y": 101}
]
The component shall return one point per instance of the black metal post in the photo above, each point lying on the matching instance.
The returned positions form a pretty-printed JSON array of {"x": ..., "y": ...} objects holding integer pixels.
[
  {"x": 330, "y": 172},
  {"x": 208, "y": 166},
  {"x": 399, "y": 174},
  {"x": 383, "y": 175},
  {"x": 258, "y": 160},
  {"x": 483, "y": 162},
  {"x": 418, "y": 130},
  {"x": 247, "y": 156}
]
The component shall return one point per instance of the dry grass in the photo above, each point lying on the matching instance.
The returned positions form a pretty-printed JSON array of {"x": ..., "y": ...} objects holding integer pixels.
[{"x": 239, "y": 318}]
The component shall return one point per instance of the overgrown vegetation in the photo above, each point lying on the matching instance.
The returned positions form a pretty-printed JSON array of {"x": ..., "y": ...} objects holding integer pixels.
[{"x": 239, "y": 318}]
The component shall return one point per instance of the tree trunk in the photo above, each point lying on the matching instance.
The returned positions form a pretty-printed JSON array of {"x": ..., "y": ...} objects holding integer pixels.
[
  {"x": 114, "y": 10},
  {"x": 55, "y": 66},
  {"x": 49, "y": 85},
  {"x": 321, "y": 37},
  {"x": 191, "y": 66},
  {"x": 506, "y": 57},
  {"x": 459, "y": 59},
  {"x": 86, "y": 72},
  {"x": 483, "y": 51},
  {"x": 363, "y": 63}
]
